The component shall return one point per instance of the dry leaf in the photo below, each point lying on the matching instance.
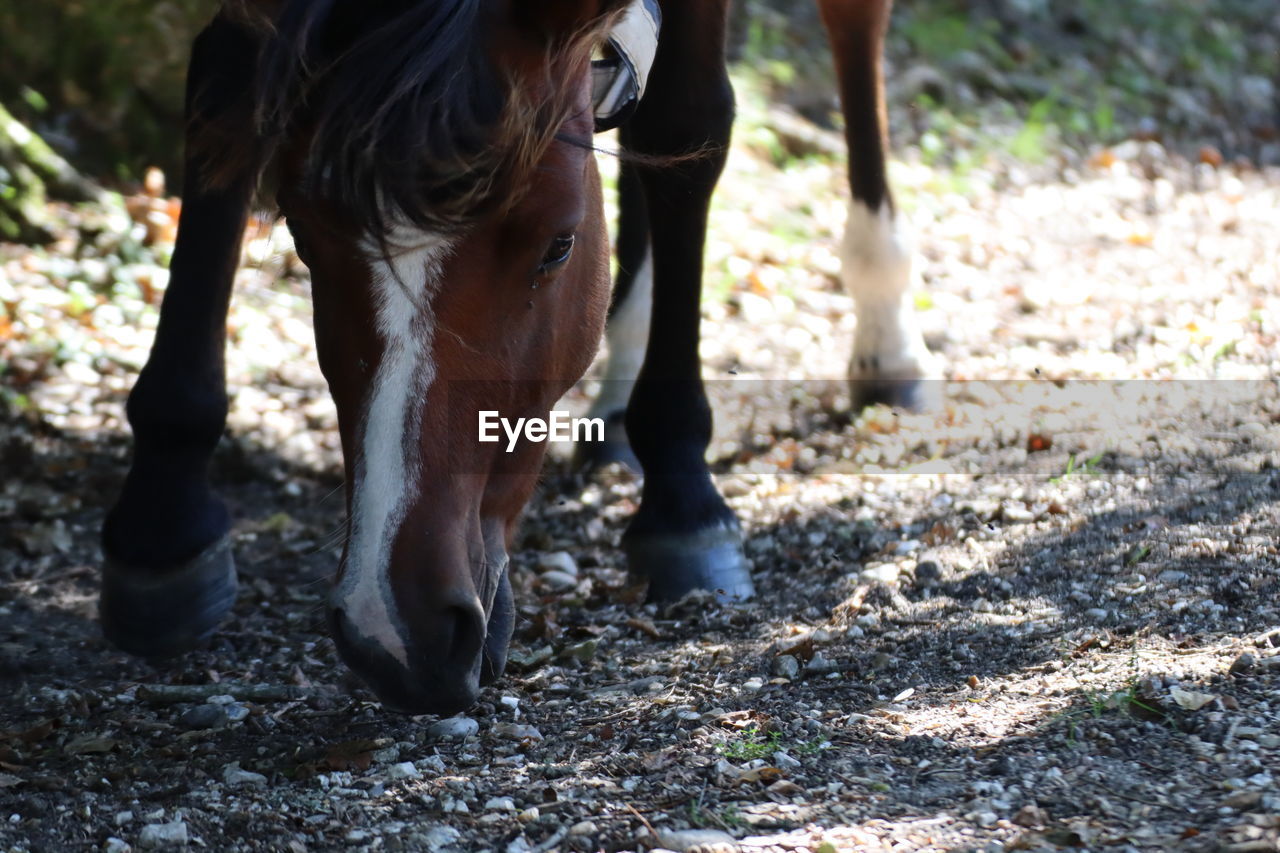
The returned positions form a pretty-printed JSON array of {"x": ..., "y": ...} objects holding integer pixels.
[
  {"x": 1190, "y": 700},
  {"x": 759, "y": 774}
]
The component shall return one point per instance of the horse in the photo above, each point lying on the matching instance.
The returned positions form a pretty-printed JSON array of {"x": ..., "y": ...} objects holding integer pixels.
[{"x": 434, "y": 163}]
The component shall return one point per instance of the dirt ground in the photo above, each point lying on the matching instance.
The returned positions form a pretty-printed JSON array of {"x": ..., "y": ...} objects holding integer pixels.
[{"x": 1045, "y": 616}]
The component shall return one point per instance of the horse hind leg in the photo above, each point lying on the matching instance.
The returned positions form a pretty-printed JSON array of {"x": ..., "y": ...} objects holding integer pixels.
[
  {"x": 890, "y": 362},
  {"x": 168, "y": 577}
]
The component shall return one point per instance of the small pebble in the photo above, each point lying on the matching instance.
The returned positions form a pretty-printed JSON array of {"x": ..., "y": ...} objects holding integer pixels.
[
  {"x": 684, "y": 840},
  {"x": 441, "y": 836},
  {"x": 516, "y": 731},
  {"x": 928, "y": 573},
  {"x": 558, "y": 581},
  {"x": 784, "y": 761},
  {"x": 529, "y": 815},
  {"x": 1243, "y": 800},
  {"x": 157, "y": 836},
  {"x": 583, "y": 651},
  {"x": 559, "y": 561},
  {"x": 236, "y": 777},
  {"x": 785, "y": 666},
  {"x": 1244, "y": 664},
  {"x": 207, "y": 716},
  {"x": 454, "y": 728},
  {"x": 584, "y": 827},
  {"x": 879, "y": 573},
  {"x": 116, "y": 845},
  {"x": 500, "y": 804},
  {"x": 403, "y": 770}
]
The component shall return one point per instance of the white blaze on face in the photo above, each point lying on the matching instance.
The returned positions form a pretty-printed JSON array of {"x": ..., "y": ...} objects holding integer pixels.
[
  {"x": 876, "y": 257},
  {"x": 628, "y": 337},
  {"x": 386, "y": 470}
]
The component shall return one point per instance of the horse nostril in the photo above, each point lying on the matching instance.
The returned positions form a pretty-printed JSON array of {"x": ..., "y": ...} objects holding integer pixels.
[{"x": 464, "y": 630}]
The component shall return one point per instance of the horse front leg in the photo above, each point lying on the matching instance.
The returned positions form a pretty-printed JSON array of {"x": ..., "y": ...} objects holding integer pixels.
[
  {"x": 683, "y": 537},
  {"x": 628, "y": 331},
  {"x": 168, "y": 577},
  {"x": 890, "y": 362}
]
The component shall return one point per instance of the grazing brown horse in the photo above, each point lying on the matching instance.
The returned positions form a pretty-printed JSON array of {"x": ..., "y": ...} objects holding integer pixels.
[{"x": 433, "y": 160}]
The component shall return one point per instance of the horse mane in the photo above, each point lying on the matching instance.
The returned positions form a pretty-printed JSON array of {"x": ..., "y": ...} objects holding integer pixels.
[{"x": 393, "y": 109}]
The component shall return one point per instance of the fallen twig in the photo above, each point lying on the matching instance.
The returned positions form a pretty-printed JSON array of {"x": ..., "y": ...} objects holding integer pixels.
[
  {"x": 556, "y": 837},
  {"x": 168, "y": 694}
]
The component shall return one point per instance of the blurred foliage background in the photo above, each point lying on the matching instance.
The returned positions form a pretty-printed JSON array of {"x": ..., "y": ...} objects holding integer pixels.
[{"x": 101, "y": 80}]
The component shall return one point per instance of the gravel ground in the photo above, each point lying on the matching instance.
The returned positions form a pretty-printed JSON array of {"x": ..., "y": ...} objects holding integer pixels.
[{"x": 1045, "y": 616}]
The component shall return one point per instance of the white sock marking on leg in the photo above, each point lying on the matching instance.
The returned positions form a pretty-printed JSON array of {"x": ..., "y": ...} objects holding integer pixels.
[
  {"x": 877, "y": 273},
  {"x": 628, "y": 338}
]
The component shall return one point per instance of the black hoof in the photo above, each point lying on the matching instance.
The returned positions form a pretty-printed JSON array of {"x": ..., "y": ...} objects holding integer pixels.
[
  {"x": 679, "y": 564},
  {"x": 155, "y": 614},
  {"x": 590, "y": 455},
  {"x": 914, "y": 395}
]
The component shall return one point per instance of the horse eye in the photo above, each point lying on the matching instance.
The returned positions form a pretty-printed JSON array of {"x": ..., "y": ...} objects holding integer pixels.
[{"x": 558, "y": 253}]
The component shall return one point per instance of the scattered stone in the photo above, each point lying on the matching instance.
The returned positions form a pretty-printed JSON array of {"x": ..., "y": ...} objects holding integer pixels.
[
  {"x": 451, "y": 805},
  {"x": 206, "y": 716},
  {"x": 440, "y": 836},
  {"x": 158, "y": 836},
  {"x": 500, "y": 804},
  {"x": 559, "y": 561},
  {"x": 879, "y": 573},
  {"x": 403, "y": 770},
  {"x": 1030, "y": 815},
  {"x": 529, "y": 815},
  {"x": 785, "y": 666},
  {"x": 785, "y": 761},
  {"x": 686, "y": 840},
  {"x": 928, "y": 573},
  {"x": 454, "y": 728},
  {"x": 785, "y": 787},
  {"x": 558, "y": 581},
  {"x": 234, "y": 776},
  {"x": 516, "y": 731},
  {"x": 583, "y": 651},
  {"x": 582, "y": 828},
  {"x": 1243, "y": 800},
  {"x": 1243, "y": 665},
  {"x": 116, "y": 845},
  {"x": 236, "y": 712}
]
